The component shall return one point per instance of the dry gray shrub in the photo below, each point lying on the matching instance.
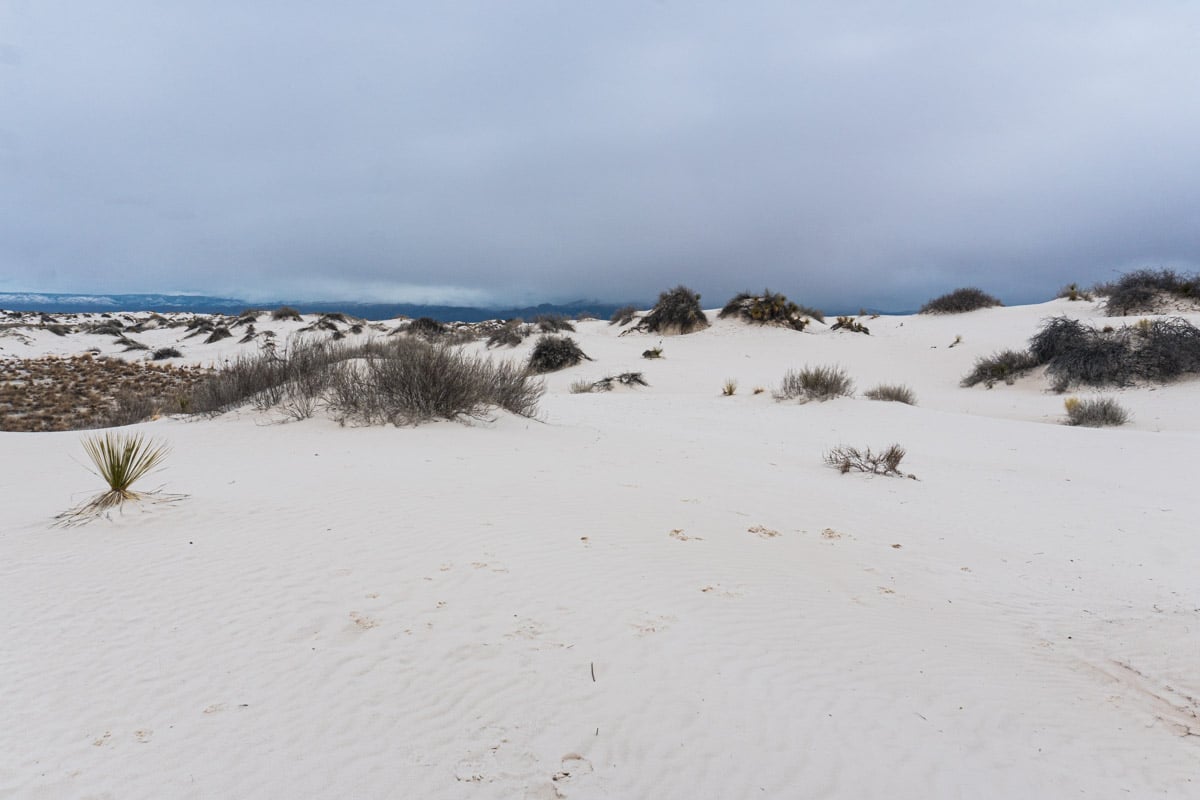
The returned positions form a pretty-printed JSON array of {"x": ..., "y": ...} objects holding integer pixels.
[
  {"x": 885, "y": 462},
  {"x": 1095, "y": 413},
  {"x": 892, "y": 392},
  {"x": 815, "y": 383},
  {"x": 960, "y": 301}
]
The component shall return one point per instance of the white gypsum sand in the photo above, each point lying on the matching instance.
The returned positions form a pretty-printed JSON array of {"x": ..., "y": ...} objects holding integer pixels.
[{"x": 654, "y": 592}]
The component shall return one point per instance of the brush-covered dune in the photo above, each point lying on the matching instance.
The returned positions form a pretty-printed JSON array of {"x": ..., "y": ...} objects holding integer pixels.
[{"x": 653, "y": 592}]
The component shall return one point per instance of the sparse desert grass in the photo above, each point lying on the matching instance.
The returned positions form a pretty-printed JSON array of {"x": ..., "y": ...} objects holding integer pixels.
[
  {"x": 607, "y": 384},
  {"x": 960, "y": 301},
  {"x": 815, "y": 383},
  {"x": 284, "y": 313},
  {"x": 1006, "y": 365},
  {"x": 61, "y": 394},
  {"x": 729, "y": 388},
  {"x": 677, "y": 311},
  {"x": 553, "y": 323},
  {"x": 768, "y": 308},
  {"x": 884, "y": 462},
  {"x": 1095, "y": 412},
  {"x": 1148, "y": 291},
  {"x": 510, "y": 334},
  {"x": 552, "y": 353},
  {"x": 426, "y": 327},
  {"x": 1073, "y": 293},
  {"x": 891, "y": 392}
]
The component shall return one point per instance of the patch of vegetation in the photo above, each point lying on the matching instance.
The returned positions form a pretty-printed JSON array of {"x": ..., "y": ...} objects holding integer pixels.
[
  {"x": 768, "y": 308},
  {"x": 425, "y": 327},
  {"x": 623, "y": 316},
  {"x": 849, "y": 324},
  {"x": 552, "y": 353},
  {"x": 511, "y": 334},
  {"x": 677, "y": 311},
  {"x": 729, "y": 388},
  {"x": 1147, "y": 291},
  {"x": 286, "y": 313},
  {"x": 1095, "y": 413},
  {"x": 120, "y": 461},
  {"x": 1006, "y": 365},
  {"x": 891, "y": 392},
  {"x": 1073, "y": 293},
  {"x": 553, "y": 323},
  {"x": 607, "y": 384},
  {"x": 960, "y": 301},
  {"x": 653, "y": 352},
  {"x": 815, "y": 383},
  {"x": 885, "y": 462}
]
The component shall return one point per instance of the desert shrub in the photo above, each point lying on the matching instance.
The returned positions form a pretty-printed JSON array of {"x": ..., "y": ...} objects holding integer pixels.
[
  {"x": 552, "y": 353},
  {"x": 219, "y": 332},
  {"x": 815, "y": 383},
  {"x": 849, "y": 324},
  {"x": 1057, "y": 335},
  {"x": 581, "y": 387},
  {"x": 286, "y": 313},
  {"x": 1143, "y": 291},
  {"x": 510, "y": 334},
  {"x": 409, "y": 381},
  {"x": 885, "y": 462},
  {"x": 1094, "y": 358},
  {"x": 121, "y": 461},
  {"x": 606, "y": 384},
  {"x": 768, "y": 308},
  {"x": 1094, "y": 413},
  {"x": 729, "y": 388},
  {"x": 623, "y": 316},
  {"x": 553, "y": 323},
  {"x": 960, "y": 301},
  {"x": 426, "y": 327},
  {"x": 653, "y": 352},
  {"x": 268, "y": 377},
  {"x": 1006, "y": 365},
  {"x": 892, "y": 392},
  {"x": 109, "y": 327},
  {"x": 1073, "y": 293},
  {"x": 129, "y": 408},
  {"x": 1167, "y": 349},
  {"x": 677, "y": 311},
  {"x": 131, "y": 344},
  {"x": 164, "y": 353}
]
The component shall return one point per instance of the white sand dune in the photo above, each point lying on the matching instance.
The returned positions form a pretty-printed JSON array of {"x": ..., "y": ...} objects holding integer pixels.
[{"x": 650, "y": 593}]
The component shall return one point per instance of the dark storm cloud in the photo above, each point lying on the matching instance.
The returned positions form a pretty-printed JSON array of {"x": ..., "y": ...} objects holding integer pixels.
[{"x": 468, "y": 151}]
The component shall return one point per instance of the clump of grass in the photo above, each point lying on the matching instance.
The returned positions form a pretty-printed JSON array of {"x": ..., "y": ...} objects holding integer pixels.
[
  {"x": 1073, "y": 293},
  {"x": 426, "y": 327},
  {"x": 729, "y": 388},
  {"x": 120, "y": 460},
  {"x": 892, "y": 392},
  {"x": 1145, "y": 291},
  {"x": 553, "y": 323},
  {"x": 885, "y": 462},
  {"x": 552, "y": 353},
  {"x": 960, "y": 301},
  {"x": 1006, "y": 365},
  {"x": 1094, "y": 413},
  {"x": 286, "y": 313},
  {"x": 623, "y": 316},
  {"x": 163, "y": 353},
  {"x": 677, "y": 311},
  {"x": 815, "y": 383},
  {"x": 768, "y": 308},
  {"x": 581, "y": 387}
]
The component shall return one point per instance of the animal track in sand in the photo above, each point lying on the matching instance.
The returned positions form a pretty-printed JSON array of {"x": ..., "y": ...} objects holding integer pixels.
[
  {"x": 763, "y": 531},
  {"x": 102, "y": 739},
  {"x": 143, "y": 735},
  {"x": 573, "y": 765},
  {"x": 677, "y": 533},
  {"x": 830, "y": 533},
  {"x": 363, "y": 622},
  {"x": 717, "y": 591},
  {"x": 653, "y": 625}
]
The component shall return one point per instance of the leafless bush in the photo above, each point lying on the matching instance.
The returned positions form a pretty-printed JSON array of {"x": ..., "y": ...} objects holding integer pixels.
[
  {"x": 1095, "y": 413},
  {"x": 1007, "y": 366},
  {"x": 886, "y": 462},
  {"x": 623, "y": 316},
  {"x": 960, "y": 301}
]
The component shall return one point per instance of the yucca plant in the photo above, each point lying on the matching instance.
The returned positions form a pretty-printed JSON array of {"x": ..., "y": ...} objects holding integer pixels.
[{"x": 121, "y": 460}]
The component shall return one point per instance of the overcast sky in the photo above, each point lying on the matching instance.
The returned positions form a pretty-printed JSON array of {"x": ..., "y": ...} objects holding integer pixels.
[{"x": 861, "y": 153}]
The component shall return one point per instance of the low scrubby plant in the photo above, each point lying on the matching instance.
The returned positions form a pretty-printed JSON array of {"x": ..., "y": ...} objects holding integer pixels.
[
  {"x": 1094, "y": 413},
  {"x": 1144, "y": 291},
  {"x": 891, "y": 392},
  {"x": 426, "y": 327},
  {"x": 729, "y": 388},
  {"x": 768, "y": 308},
  {"x": 511, "y": 334},
  {"x": 553, "y": 323},
  {"x": 1073, "y": 293},
  {"x": 607, "y": 384},
  {"x": 552, "y": 353},
  {"x": 960, "y": 301},
  {"x": 1006, "y": 365},
  {"x": 849, "y": 324},
  {"x": 884, "y": 462},
  {"x": 286, "y": 313},
  {"x": 163, "y": 353},
  {"x": 623, "y": 316},
  {"x": 653, "y": 352},
  {"x": 815, "y": 383},
  {"x": 677, "y": 311}
]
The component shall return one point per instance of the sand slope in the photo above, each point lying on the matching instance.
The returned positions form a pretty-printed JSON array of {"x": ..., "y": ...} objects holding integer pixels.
[{"x": 419, "y": 613}]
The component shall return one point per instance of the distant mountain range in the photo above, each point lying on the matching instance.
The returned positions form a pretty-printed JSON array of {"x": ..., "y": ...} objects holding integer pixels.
[{"x": 202, "y": 304}]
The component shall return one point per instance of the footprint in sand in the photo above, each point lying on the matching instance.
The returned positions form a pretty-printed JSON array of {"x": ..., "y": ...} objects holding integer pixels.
[
  {"x": 678, "y": 533},
  {"x": 143, "y": 735},
  {"x": 363, "y": 622},
  {"x": 653, "y": 625},
  {"x": 573, "y": 765},
  {"x": 830, "y": 533},
  {"x": 763, "y": 531},
  {"x": 103, "y": 739}
]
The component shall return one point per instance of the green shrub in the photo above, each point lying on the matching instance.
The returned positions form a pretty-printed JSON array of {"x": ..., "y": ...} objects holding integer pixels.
[
  {"x": 768, "y": 308},
  {"x": 960, "y": 301},
  {"x": 121, "y": 461}
]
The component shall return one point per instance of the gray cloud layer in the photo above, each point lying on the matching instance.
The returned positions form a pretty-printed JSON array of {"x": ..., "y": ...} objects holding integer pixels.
[{"x": 868, "y": 153}]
